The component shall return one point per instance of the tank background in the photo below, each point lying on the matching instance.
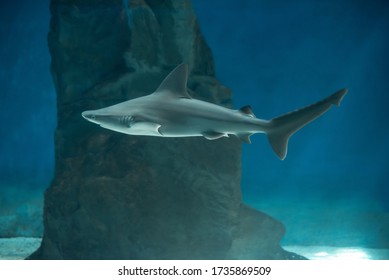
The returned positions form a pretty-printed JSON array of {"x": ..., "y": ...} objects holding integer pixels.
[{"x": 275, "y": 56}]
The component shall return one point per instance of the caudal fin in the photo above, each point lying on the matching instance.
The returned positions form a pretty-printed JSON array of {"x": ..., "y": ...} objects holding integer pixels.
[{"x": 283, "y": 127}]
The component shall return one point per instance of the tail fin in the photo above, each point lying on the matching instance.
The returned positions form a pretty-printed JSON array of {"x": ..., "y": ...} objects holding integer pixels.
[{"x": 283, "y": 127}]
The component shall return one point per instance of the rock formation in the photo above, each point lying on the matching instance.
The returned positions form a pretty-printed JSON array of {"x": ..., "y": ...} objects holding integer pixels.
[{"x": 116, "y": 196}]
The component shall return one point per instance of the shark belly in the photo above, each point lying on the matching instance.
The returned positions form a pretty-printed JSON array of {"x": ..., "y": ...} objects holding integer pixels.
[{"x": 189, "y": 118}]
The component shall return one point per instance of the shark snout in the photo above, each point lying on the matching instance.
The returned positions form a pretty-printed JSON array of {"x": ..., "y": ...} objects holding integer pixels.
[{"x": 89, "y": 115}]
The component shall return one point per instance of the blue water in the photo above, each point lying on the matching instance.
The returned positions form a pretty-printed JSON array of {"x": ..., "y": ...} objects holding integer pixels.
[
  {"x": 281, "y": 55},
  {"x": 27, "y": 96},
  {"x": 276, "y": 56}
]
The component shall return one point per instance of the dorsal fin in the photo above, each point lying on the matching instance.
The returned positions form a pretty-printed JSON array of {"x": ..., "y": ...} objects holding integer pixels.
[
  {"x": 246, "y": 110},
  {"x": 174, "y": 85}
]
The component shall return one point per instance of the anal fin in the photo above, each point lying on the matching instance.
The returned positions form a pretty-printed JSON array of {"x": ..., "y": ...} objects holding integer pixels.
[{"x": 244, "y": 137}]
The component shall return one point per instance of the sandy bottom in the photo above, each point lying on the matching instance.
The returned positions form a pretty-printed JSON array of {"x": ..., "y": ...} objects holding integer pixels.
[
  {"x": 339, "y": 253},
  {"x": 19, "y": 248}
]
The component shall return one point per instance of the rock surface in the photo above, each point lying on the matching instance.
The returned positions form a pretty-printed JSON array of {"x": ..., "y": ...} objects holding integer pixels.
[{"x": 116, "y": 196}]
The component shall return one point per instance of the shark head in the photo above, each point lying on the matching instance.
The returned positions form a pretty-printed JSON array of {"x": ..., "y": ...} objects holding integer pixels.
[
  {"x": 137, "y": 116},
  {"x": 124, "y": 123},
  {"x": 90, "y": 116},
  {"x": 109, "y": 120}
]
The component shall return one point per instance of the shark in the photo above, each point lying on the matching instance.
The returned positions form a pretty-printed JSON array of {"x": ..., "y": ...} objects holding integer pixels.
[{"x": 171, "y": 112}]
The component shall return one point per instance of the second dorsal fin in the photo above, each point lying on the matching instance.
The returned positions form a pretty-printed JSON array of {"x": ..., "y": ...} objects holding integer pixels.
[{"x": 246, "y": 110}]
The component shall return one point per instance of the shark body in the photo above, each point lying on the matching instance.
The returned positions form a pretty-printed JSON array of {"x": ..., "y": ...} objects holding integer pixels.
[{"x": 171, "y": 112}]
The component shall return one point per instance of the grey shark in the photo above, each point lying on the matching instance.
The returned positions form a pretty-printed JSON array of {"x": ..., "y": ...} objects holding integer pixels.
[{"x": 171, "y": 112}]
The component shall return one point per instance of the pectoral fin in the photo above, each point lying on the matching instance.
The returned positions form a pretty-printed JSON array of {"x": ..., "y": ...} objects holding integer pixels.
[{"x": 146, "y": 128}]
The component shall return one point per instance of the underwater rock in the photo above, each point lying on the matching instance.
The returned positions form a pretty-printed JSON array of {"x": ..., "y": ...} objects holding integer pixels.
[{"x": 117, "y": 196}]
